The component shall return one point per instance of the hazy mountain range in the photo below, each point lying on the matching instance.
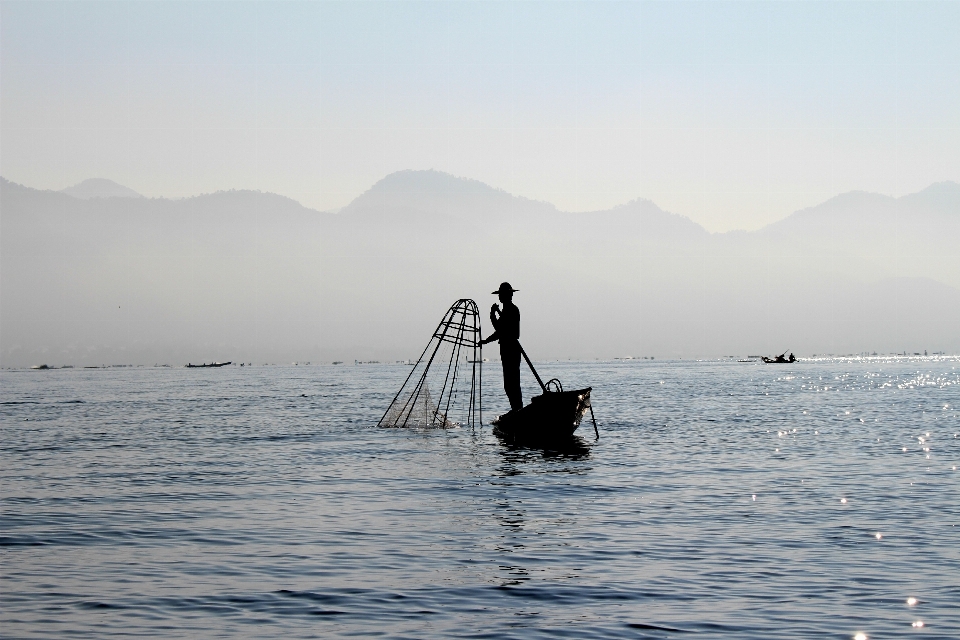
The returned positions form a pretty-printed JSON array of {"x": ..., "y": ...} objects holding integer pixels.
[
  {"x": 100, "y": 188},
  {"x": 98, "y": 274}
]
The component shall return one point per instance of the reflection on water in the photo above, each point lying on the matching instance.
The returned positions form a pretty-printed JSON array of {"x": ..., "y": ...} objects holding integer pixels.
[
  {"x": 510, "y": 517},
  {"x": 728, "y": 500},
  {"x": 573, "y": 448}
]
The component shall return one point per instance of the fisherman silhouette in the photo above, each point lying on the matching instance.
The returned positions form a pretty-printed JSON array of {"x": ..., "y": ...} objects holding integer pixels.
[{"x": 506, "y": 325}]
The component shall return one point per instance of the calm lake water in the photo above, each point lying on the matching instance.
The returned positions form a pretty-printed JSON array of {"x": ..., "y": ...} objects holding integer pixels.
[{"x": 722, "y": 499}]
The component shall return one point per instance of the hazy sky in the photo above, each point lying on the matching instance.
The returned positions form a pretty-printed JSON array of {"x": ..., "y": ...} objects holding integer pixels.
[{"x": 734, "y": 114}]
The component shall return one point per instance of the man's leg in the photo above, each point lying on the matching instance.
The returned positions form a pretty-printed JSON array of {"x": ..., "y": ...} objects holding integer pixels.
[{"x": 511, "y": 378}]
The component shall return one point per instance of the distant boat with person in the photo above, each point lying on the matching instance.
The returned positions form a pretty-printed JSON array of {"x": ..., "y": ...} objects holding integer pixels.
[
  {"x": 780, "y": 359},
  {"x": 207, "y": 366}
]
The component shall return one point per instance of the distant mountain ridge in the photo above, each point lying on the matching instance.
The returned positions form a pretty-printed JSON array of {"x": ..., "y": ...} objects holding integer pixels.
[
  {"x": 233, "y": 199},
  {"x": 433, "y": 196},
  {"x": 245, "y": 275},
  {"x": 434, "y": 191},
  {"x": 429, "y": 189},
  {"x": 100, "y": 188},
  {"x": 941, "y": 198}
]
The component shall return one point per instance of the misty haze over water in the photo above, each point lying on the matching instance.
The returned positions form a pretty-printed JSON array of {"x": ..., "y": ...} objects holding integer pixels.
[{"x": 250, "y": 276}]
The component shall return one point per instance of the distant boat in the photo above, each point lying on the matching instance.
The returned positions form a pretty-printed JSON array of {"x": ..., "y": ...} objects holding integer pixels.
[
  {"x": 207, "y": 366},
  {"x": 780, "y": 359}
]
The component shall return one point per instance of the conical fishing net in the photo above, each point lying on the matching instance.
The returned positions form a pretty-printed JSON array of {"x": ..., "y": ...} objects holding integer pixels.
[
  {"x": 416, "y": 412},
  {"x": 443, "y": 388}
]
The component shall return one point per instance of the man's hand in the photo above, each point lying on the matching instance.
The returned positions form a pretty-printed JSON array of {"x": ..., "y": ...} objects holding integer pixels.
[{"x": 494, "y": 308}]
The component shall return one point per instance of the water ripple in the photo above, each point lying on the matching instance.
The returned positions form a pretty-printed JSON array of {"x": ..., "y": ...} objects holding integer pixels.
[{"x": 723, "y": 500}]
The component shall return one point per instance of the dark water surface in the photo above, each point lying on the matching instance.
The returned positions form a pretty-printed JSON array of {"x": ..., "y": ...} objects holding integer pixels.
[{"x": 722, "y": 500}]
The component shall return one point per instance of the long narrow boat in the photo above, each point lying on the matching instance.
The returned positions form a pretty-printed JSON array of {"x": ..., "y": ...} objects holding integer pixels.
[
  {"x": 551, "y": 416},
  {"x": 207, "y": 366},
  {"x": 779, "y": 360}
]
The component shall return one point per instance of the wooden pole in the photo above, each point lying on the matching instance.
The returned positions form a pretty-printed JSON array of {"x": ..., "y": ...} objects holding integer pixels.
[{"x": 530, "y": 364}]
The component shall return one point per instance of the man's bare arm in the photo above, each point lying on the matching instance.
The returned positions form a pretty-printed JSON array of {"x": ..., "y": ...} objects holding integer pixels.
[{"x": 491, "y": 338}]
